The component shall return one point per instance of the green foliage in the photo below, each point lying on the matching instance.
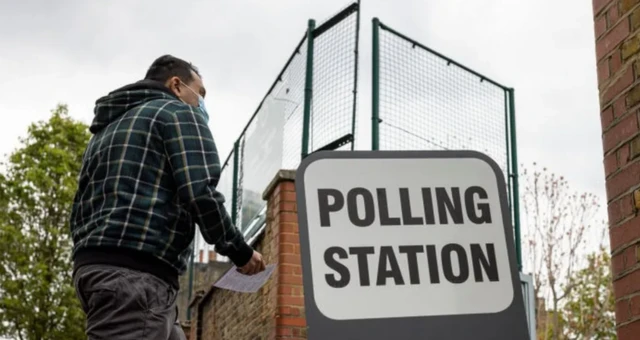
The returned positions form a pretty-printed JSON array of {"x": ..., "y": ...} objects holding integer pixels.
[
  {"x": 551, "y": 325},
  {"x": 588, "y": 313},
  {"x": 37, "y": 186},
  {"x": 572, "y": 285},
  {"x": 590, "y": 309}
]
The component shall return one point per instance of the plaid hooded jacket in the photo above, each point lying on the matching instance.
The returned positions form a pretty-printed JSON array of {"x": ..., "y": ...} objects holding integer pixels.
[{"x": 149, "y": 174}]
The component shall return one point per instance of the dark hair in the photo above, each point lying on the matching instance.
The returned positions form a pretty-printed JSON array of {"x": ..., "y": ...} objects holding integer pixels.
[{"x": 169, "y": 66}]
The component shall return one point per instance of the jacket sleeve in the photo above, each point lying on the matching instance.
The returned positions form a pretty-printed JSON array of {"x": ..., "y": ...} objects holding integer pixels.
[{"x": 196, "y": 168}]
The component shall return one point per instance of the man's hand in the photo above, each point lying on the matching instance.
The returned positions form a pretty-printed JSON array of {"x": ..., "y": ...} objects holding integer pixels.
[{"x": 254, "y": 266}]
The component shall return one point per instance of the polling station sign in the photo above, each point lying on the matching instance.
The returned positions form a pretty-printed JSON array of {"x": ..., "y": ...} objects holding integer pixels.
[{"x": 407, "y": 245}]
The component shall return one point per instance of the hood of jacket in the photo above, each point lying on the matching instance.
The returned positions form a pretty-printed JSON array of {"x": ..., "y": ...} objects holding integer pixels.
[{"x": 112, "y": 106}]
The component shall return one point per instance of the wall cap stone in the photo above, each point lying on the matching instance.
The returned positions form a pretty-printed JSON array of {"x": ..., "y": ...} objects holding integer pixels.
[
  {"x": 196, "y": 298},
  {"x": 281, "y": 176}
]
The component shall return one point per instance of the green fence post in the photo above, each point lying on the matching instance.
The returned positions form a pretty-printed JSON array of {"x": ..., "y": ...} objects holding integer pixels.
[
  {"x": 507, "y": 119},
  {"x": 514, "y": 165},
  {"x": 308, "y": 90},
  {"x": 375, "y": 93},
  {"x": 234, "y": 186},
  {"x": 355, "y": 80}
]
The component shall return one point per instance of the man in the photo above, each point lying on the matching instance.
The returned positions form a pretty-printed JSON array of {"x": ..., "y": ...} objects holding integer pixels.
[{"x": 149, "y": 174}]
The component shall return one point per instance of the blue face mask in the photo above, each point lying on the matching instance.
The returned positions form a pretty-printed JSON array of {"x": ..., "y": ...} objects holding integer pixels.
[{"x": 203, "y": 110}]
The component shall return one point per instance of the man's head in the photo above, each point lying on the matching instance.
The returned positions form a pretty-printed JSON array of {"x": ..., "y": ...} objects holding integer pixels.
[{"x": 179, "y": 76}]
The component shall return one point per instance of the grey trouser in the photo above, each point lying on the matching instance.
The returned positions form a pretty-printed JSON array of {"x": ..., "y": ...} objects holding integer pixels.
[{"x": 124, "y": 304}]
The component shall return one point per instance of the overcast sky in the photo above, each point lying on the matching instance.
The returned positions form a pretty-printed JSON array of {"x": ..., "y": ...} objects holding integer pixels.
[{"x": 75, "y": 51}]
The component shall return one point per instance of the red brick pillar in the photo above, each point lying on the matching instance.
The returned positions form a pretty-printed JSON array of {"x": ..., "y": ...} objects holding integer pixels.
[
  {"x": 617, "y": 33},
  {"x": 282, "y": 232}
]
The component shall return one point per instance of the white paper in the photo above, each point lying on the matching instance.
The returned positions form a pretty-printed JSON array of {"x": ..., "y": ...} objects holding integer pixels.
[{"x": 238, "y": 282}]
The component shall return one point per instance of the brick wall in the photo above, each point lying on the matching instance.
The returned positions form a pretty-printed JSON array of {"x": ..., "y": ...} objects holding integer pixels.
[
  {"x": 204, "y": 274},
  {"x": 277, "y": 310},
  {"x": 617, "y": 34}
]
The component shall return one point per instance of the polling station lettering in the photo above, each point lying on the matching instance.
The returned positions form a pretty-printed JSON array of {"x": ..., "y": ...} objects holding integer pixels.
[{"x": 379, "y": 265}]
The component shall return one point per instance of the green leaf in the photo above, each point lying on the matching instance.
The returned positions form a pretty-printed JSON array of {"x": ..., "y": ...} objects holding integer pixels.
[
  {"x": 37, "y": 297},
  {"x": 590, "y": 308}
]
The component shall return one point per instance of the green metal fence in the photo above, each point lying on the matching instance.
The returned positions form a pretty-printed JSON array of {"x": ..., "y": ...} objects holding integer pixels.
[
  {"x": 423, "y": 100},
  {"x": 310, "y": 106}
]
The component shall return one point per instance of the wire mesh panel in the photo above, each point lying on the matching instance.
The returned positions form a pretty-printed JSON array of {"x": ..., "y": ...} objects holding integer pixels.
[
  {"x": 334, "y": 80},
  {"x": 262, "y": 157},
  {"x": 225, "y": 184},
  {"x": 423, "y": 100},
  {"x": 225, "y": 187},
  {"x": 270, "y": 142},
  {"x": 288, "y": 96},
  {"x": 427, "y": 102},
  {"x": 273, "y": 138}
]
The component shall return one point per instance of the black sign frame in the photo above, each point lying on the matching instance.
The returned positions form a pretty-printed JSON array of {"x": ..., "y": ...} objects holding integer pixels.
[{"x": 510, "y": 324}]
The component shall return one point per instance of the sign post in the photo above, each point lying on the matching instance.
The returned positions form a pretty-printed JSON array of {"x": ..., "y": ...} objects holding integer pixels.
[{"x": 407, "y": 245}]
